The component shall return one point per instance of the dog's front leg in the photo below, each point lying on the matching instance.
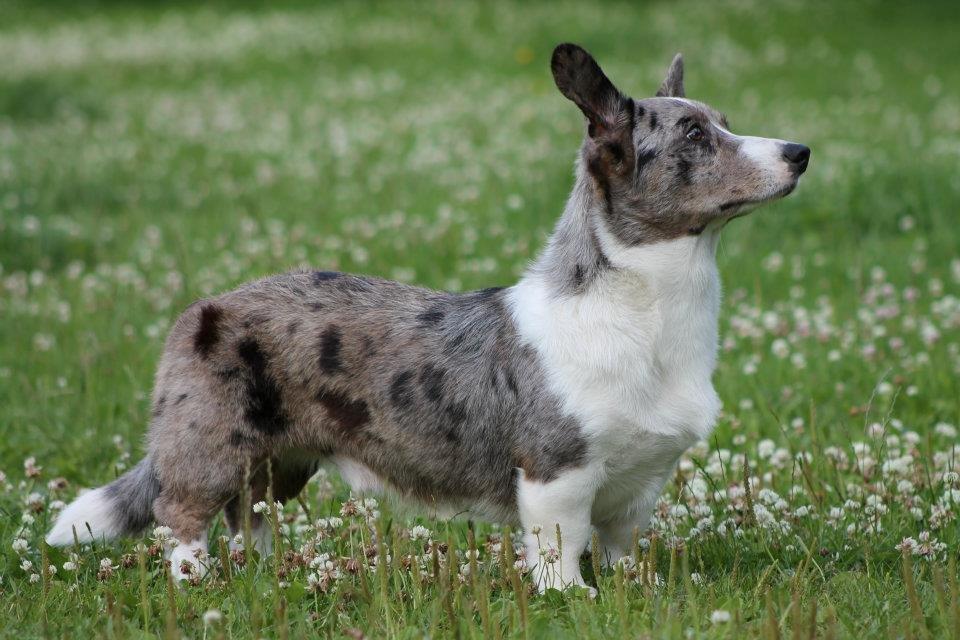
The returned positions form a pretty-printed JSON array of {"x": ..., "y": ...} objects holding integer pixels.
[
  {"x": 616, "y": 537},
  {"x": 563, "y": 502}
]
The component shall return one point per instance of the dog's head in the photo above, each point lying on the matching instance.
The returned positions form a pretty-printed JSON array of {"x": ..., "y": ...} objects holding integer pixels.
[{"x": 668, "y": 166}]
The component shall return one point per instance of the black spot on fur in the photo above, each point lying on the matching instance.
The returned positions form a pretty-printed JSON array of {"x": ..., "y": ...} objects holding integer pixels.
[
  {"x": 330, "y": 344},
  {"x": 616, "y": 150},
  {"x": 240, "y": 439},
  {"x": 292, "y": 327},
  {"x": 643, "y": 157},
  {"x": 320, "y": 277},
  {"x": 457, "y": 413},
  {"x": 430, "y": 317},
  {"x": 180, "y": 399},
  {"x": 653, "y": 121},
  {"x": 578, "y": 274},
  {"x": 348, "y": 415},
  {"x": 315, "y": 306},
  {"x": 264, "y": 407},
  {"x": 683, "y": 170},
  {"x": 697, "y": 230},
  {"x": 511, "y": 382},
  {"x": 432, "y": 380},
  {"x": 208, "y": 333},
  {"x": 485, "y": 294},
  {"x": 640, "y": 110},
  {"x": 684, "y": 121},
  {"x": 400, "y": 392},
  {"x": 158, "y": 408}
]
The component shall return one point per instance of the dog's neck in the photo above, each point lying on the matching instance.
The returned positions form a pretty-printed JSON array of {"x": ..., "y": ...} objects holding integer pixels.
[{"x": 582, "y": 250}]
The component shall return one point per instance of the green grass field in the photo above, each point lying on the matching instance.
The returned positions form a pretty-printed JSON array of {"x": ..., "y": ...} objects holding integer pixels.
[{"x": 151, "y": 155}]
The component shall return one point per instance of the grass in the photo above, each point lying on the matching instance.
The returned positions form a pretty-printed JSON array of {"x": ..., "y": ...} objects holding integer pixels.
[{"x": 150, "y": 155}]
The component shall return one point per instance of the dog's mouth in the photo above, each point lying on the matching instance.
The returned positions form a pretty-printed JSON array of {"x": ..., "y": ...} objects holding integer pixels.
[{"x": 736, "y": 207}]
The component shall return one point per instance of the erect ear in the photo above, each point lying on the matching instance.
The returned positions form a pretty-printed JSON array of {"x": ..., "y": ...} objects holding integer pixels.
[
  {"x": 672, "y": 86},
  {"x": 580, "y": 78}
]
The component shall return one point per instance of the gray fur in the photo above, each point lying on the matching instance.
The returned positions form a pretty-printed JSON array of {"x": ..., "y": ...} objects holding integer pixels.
[
  {"x": 432, "y": 391},
  {"x": 132, "y": 496}
]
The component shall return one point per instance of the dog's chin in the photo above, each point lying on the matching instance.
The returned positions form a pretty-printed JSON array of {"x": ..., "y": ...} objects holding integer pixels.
[{"x": 737, "y": 208}]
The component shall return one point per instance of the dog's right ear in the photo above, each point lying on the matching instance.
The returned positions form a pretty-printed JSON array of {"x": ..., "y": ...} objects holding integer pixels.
[{"x": 580, "y": 78}]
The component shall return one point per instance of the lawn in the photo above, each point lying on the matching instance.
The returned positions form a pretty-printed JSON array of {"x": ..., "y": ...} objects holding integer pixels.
[{"x": 151, "y": 155}]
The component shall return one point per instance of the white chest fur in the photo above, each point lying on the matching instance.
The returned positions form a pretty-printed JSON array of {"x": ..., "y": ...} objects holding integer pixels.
[{"x": 632, "y": 357}]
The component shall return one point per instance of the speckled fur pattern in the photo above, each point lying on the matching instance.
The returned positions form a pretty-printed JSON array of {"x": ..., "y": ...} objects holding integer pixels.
[{"x": 564, "y": 400}]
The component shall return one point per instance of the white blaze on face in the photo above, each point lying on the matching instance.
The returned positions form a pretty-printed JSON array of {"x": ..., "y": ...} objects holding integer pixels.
[{"x": 767, "y": 155}]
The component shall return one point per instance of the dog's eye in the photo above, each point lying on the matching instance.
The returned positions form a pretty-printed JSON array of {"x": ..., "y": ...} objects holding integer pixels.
[{"x": 695, "y": 134}]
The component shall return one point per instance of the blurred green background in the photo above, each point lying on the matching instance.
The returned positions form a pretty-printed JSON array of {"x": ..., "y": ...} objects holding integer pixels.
[{"x": 153, "y": 153}]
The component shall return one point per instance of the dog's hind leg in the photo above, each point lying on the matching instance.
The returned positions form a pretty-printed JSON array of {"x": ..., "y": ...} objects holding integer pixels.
[{"x": 193, "y": 489}]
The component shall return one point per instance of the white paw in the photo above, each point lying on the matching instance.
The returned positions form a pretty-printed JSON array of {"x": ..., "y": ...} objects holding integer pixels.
[
  {"x": 262, "y": 540},
  {"x": 189, "y": 560}
]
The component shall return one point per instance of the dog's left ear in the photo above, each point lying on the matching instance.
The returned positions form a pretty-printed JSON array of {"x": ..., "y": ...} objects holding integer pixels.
[
  {"x": 672, "y": 86},
  {"x": 580, "y": 78}
]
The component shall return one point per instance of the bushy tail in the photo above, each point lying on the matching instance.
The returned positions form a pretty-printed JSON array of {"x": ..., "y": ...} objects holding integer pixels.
[{"x": 123, "y": 507}]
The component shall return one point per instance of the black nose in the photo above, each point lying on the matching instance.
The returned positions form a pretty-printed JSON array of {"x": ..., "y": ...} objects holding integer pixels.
[{"x": 797, "y": 155}]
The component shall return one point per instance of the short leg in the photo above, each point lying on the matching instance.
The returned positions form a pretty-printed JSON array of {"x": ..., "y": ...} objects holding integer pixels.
[
  {"x": 616, "y": 530},
  {"x": 565, "y": 501},
  {"x": 188, "y": 517}
]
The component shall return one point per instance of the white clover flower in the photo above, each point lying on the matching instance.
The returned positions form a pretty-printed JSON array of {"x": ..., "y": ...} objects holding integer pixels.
[
  {"x": 26, "y": 565},
  {"x": 20, "y": 545},
  {"x": 211, "y": 617},
  {"x": 763, "y": 516},
  {"x": 419, "y": 533},
  {"x": 261, "y": 507},
  {"x": 106, "y": 563},
  {"x": 34, "y": 578},
  {"x": 908, "y": 544},
  {"x": 780, "y": 348},
  {"x": 69, "y": 565},
  {"x": 945, "y": 430},
  {"x": 720, "y": 617},
  {"x": 765, "y": 448},
  {"x": 802, "y": 511},
  {"x": 319, "y": 560},
  {"x": 905, "y": 487}
]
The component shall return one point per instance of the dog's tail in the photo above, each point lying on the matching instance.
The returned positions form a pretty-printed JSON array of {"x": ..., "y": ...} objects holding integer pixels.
[{"x": 123, "y": 507}]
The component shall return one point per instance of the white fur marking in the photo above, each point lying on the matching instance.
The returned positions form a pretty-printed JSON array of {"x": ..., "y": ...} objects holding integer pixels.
[
  {"x": 359, "y": 476},
  {"x": 632, "y": 358},
  {"x": 188, "y": 552},
  {"x": 94, "y": 508}
]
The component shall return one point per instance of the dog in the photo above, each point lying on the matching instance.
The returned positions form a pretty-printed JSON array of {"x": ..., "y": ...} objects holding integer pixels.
[{"x": 561, "y": 402}]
